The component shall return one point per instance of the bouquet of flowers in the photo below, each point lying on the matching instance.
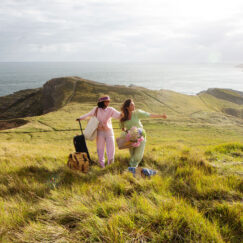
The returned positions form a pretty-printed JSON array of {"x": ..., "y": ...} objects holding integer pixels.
[
  {"x": 131, "y": 138},
  {"x": 135, "y": 135}
]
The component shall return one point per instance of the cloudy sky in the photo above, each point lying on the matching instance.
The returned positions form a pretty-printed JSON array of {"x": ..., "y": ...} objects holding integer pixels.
[{"x": 168, "y": 31}]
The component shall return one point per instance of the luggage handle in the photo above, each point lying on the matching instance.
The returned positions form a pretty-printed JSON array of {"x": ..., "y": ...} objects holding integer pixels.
[{"x": 80, "y": 127}]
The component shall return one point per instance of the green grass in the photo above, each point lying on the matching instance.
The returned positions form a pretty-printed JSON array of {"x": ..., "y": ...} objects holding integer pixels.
[{"x": 196, "y": 195}]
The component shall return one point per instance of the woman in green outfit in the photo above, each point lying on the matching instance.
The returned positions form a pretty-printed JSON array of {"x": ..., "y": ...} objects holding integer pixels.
[{"x": 131, "y": 118}]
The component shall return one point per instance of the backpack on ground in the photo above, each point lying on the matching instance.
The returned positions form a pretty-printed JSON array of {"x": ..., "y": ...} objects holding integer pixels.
[{"x": 78, "y": 161}]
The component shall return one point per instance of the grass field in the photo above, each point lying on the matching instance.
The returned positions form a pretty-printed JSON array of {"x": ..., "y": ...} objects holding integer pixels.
[
  {"x": 196, "y": 195},
  {"x": 197, "y": 152}
]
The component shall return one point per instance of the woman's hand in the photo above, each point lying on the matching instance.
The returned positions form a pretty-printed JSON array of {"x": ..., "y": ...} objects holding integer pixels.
[
  {"x": 164, "y": 116},
  {"x": 158, "y": 116}
]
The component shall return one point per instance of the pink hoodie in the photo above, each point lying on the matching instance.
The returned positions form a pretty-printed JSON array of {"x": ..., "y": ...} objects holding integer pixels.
[{"x": 104, "y": 116}]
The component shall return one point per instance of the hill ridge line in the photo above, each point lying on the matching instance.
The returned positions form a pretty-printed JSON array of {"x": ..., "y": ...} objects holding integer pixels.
[{"x": 59, "y": 92}]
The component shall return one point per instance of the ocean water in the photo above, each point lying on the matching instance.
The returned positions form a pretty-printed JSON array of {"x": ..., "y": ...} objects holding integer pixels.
[{"x": 184, "y": 78}]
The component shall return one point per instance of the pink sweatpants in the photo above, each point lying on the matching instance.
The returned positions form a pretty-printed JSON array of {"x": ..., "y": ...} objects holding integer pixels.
[{"x": 105, "y": 137}]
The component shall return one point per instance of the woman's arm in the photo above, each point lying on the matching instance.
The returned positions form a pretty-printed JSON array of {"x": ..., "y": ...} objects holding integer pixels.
[
  {"x": 91, "y": 113},
  {"x": 115, "y": 114},
  {"x": 143, "y": 114},
  {"x": 158, "y": 116}
]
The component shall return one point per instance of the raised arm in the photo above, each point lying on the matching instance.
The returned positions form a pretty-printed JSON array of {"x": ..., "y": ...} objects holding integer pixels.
[
  {"x": 143, "y": 114},
  {"x": 91, "y": 113},
  {"x": 115, "y": 114}
]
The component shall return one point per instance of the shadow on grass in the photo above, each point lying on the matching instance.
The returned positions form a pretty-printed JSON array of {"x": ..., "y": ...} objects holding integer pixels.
[{"x": 34, "y": 182}]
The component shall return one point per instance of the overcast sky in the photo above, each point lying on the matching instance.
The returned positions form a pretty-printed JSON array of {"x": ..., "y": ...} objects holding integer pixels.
[{"x": 168, "y": 31}]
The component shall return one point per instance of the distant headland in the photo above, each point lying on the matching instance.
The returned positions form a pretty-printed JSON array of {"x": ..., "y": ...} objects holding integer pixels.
[{"x": 58, "y": 92}]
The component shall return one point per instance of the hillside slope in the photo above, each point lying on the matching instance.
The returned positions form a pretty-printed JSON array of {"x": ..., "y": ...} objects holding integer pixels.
[
  {"x": 58, "y": 92},
  {"x": 225, "y": 100}
]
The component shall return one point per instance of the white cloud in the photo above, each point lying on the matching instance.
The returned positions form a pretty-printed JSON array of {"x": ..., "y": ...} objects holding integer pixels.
[{"x": 121, "y": 30}]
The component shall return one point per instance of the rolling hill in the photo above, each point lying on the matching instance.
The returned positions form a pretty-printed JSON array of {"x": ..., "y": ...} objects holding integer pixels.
[{"x": 59, "y": 92}]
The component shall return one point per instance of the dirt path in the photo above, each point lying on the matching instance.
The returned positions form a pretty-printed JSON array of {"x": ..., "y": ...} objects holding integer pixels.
[{"x": 72, "y": 95}]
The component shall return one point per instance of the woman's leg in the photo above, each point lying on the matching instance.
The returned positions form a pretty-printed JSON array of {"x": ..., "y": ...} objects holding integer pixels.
[
  {"x": 131, "y": 151},
  {"x": 100, "y": 142},
  {"x": 137, "y": 154},
  {"x": 110, "y": 146}
]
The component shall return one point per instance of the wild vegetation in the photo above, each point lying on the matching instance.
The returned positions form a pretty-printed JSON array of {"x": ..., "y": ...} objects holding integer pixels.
[{"x": 196, "y": 195}]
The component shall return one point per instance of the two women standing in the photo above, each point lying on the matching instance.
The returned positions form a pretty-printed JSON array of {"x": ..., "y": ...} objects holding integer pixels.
[{"x": 129, "y": 117}]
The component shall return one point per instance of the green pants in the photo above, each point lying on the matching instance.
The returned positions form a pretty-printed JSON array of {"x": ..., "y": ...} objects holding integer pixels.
[{"x": 137, "y": 154}]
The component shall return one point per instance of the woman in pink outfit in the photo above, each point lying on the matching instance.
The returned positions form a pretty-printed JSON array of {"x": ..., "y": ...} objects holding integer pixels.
[{"x": 105, "y": 134}]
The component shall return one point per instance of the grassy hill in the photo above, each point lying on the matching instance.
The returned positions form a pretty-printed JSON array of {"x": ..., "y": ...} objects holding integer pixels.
[
  {"x": 198, "y": 154},
  {"x": 59, "y": 92}
]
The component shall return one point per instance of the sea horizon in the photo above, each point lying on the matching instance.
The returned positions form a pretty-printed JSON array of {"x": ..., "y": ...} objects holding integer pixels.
[{"x": 183, "y": 78}]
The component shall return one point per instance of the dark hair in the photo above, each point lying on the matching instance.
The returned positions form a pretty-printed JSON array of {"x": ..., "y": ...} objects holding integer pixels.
[
  {"x": 101, "y": 105},
  {"x": 124, "y": 110}
]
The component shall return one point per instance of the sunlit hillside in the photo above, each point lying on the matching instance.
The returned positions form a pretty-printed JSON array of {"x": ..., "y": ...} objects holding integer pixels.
[{"x": 197, "y": 152}]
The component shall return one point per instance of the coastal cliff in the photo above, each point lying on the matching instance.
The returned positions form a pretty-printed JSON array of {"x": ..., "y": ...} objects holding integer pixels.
[{"x": 57, "y": 93}]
